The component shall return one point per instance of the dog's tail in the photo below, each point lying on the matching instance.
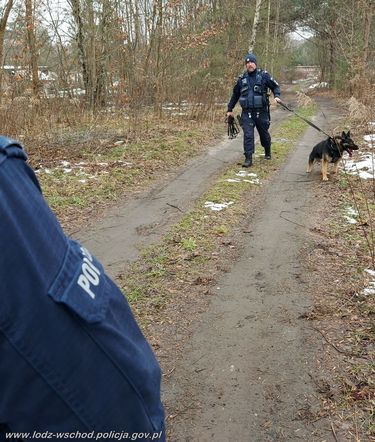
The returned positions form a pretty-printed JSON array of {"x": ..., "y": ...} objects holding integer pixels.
[{"x": 311, "y": 162}]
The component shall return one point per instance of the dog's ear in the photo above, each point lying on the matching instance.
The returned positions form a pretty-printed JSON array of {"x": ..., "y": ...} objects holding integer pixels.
[
  {"x": 343, "y": 135},
  {"x": 348, "y": 134}
]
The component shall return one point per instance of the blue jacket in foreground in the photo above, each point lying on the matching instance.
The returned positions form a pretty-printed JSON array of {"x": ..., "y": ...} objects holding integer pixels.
[{"x": 73, "y": 358}]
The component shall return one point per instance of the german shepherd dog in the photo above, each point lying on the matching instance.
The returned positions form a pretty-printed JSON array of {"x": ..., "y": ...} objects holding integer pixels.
[{"x": 331, "y": 151}]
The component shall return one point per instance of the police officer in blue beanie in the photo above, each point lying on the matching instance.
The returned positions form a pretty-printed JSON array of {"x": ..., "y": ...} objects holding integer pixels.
[
  {"x": 251, "y": 90},
  {"x": 74, "y": 363}
]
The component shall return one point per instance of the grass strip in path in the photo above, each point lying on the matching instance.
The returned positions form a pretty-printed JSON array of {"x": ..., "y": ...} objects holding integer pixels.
[{"x": 189, "y": 254}]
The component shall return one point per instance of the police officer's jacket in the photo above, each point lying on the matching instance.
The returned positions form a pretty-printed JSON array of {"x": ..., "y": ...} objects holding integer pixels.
[
  {"x": 251, "y": 91},
  {"x": 72, "y": 357}
]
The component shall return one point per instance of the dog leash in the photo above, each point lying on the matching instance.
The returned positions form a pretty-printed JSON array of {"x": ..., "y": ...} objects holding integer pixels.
[
  {"x": 233, "y": 129},
  {"x": 303, "y": 118}
]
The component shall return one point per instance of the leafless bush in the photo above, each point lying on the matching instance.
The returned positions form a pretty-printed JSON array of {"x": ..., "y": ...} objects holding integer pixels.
[
  {"x": 358, "y": 112},
  {"x": 363, "y": 191},
  {"x": 37, "y": 117},
  {"x": 303, "y": 99}
]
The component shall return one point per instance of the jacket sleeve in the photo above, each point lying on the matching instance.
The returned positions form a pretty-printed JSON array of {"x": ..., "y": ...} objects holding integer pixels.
[
  {"x": 272, "y": 84},
  {"x": 235, "y": 96},
  {"x": 57, "y": 304}
]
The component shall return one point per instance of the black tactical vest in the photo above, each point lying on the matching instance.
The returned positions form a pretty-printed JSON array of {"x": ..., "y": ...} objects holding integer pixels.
[{"x": 253, "y": 95}]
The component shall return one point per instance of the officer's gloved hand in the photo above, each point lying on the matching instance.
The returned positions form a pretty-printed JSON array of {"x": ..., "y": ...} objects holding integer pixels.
[
  {"x": 230, "y": 114},
  {"x": 277, "y": 99}
]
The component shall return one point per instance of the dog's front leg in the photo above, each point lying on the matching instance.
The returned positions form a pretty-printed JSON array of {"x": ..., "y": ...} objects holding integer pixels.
[
  {"x": 325, "y": 169},
  {"x": 335, "y": 166}
]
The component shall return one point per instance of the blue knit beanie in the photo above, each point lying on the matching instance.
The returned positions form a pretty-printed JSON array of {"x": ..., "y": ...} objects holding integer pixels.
[{"x": 250, "y": 57}]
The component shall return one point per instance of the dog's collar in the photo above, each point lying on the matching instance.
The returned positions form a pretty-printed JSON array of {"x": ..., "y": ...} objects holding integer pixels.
[{"x": 334, "y": 145}]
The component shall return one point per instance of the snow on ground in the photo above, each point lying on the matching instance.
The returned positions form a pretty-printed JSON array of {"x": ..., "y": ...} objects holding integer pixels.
[
  {"x": 242, "y": 174},
  {"x": 351, "y": 215},
  {"x": 370, "y": 289},
  {"x": 370, "y": 138},
  {"x": 216, "y": 207},
  {"x": 364, "y": 165},
  {"x": 78, "y": 169},
  {"x": 320, "y": 85}
]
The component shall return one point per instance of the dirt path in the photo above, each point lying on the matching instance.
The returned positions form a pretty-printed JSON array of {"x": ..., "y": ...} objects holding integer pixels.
[
  {"x": 117, "y": 239},
  {"x": 248, "y": 372}
]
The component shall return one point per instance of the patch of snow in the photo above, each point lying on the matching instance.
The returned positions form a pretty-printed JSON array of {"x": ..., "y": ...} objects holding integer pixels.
[
  {"x": 370, "y": 289},
  {"x": 350, "y": 220},
  {"x": 254, "y": 181},
  {"x": 282, "y": 140},
  {"x": 369, "y": 138},
  {"x": 216, "y": 207},
  {"x": 365, "y": 175},
  {"x": 363, "y": 167},
  {"x": 243, "y": 173},
  {"x": 66, "y": 170},
  {"x": 318, "y": 85},
  {"x": 350, "y": 211}
]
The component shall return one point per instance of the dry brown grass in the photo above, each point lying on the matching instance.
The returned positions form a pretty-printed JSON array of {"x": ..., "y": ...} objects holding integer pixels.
[
  {"x": 86, "y": 160},
  {"x": 303, "y": 99},
  {"x": 358, "y": 112}
]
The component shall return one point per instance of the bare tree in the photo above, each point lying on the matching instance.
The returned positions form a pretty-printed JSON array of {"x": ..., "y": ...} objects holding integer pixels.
[
  {"x": 3, "y": 23},
  {"x": 255, "y": 25},
  {"x": 33, "y": 54},
  {"x": 267, "y": 36}
]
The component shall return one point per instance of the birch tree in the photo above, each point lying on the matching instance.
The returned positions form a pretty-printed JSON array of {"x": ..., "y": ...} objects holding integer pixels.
[{"x": 255, "y": 25}]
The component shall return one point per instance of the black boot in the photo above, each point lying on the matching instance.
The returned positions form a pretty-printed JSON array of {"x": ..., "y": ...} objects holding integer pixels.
[
  {"x": 248, "y": 160},
  {"x": 267, "y": 153}
]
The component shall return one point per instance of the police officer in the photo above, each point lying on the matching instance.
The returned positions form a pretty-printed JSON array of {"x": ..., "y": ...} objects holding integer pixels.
[
  {"x": 72, "y": 356},
  {"x": 251, "y": 90}
]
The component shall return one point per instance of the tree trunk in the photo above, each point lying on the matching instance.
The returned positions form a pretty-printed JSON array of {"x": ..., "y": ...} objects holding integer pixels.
[
  {"x": 80, "y": 38},
  {"x": 366, "y": 34},
  {"x": 159, "y": 68},
  {"x": 267, "y": 34},
  {"x": 32, "y": 46},
  {"x": 3, "y": 24},
  {"x": 275, "y": 36},
  {"x": 332, "y": 55},
  {"x": 255, "y": 25},
  {"x": 102, "y": 62}
]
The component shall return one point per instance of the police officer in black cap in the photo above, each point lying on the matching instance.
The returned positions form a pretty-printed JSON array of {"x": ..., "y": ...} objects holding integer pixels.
[{"x": 251, "y": 91}]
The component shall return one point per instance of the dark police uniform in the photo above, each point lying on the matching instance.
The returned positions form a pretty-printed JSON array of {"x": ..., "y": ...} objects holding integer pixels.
[
  {"x": 72, "y": 355},
  {"x": 251, "y": 91}
]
